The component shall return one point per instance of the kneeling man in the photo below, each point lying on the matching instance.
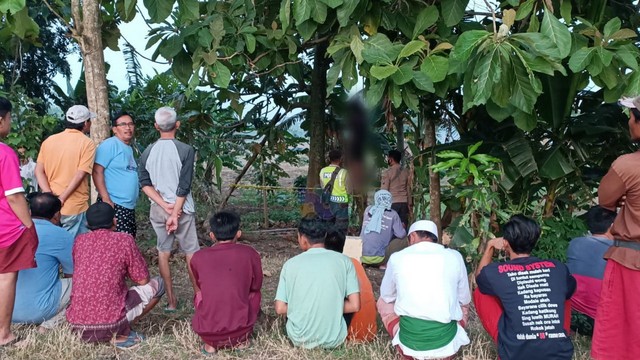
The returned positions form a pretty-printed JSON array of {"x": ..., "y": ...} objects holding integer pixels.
[
  {"x": 101, "y": 304},
  {"x": 41, "y": 296},
  {"x": 316, "y": 288},
  {"x": 424, "y": 296},
  {"x": 522, "y": 303}
]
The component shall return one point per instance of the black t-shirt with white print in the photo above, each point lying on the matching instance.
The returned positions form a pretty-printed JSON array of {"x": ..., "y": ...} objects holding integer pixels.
[{"x": 533, "y": 294}]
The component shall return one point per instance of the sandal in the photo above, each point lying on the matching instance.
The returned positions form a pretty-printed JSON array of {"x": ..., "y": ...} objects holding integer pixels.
[
  {"x": 133, "y": 339},
  {"x": 204, "y": 351}
]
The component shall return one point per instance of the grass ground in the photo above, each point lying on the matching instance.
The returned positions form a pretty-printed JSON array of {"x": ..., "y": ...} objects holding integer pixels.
[{"x": 169, "y": 336}]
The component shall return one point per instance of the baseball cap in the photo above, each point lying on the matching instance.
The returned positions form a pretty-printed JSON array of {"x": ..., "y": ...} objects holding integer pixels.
[
  {"x": 424, "y": 225},
  {"x": 77, "y": 114},
  {"x": 631, "y": 103},
  {"x": 100, "y": 216}
]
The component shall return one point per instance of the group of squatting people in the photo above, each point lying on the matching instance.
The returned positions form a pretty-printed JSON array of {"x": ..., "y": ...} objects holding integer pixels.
[{"x": 61, "y": 259}]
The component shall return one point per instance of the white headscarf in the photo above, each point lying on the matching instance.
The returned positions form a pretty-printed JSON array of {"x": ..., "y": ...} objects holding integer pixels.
[{"x": 382, "y": 203}]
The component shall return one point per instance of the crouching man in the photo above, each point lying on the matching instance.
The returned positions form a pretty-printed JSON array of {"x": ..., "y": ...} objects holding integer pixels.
[
  {"x": 102, "y": 307},
  {"x": 424, "y": 297}
]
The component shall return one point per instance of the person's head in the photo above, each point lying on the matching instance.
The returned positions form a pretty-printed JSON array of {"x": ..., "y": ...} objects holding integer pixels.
[
  {"x": 423, "y": 230},
  {"x": 5, "y": 117},
  {"x": 123, "y": 126},
  {"x": 335, "y": 156},
  {"x": 101, "y": 216},
  {"x": 45, "y": 206},
  {"x": 599, "y": 220},
  {"x": 312, "y": 232},
  {"x": 79, "y": 117},
  {"x": 335, "y": 240},
  {"x": 225, "y": 226},
  {"x": 383, "y": 198},
  {"x": 166, "y": 119},
  {"x": 633, "y": 104},
  {"x": 394, "y": 157},
  {"x": 521, "y": 233}
]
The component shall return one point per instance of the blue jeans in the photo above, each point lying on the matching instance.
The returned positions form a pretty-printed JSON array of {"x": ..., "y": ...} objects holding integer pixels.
[{"x": 75, "y": 224}]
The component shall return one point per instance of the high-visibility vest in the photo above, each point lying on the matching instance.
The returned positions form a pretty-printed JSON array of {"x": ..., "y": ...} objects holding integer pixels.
[{"x": 339, "y": 193}]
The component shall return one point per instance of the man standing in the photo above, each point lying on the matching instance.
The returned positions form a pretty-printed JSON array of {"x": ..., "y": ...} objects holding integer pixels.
[
  {"x": 18, "y": 239},
  {"x": 396, "y": 180},
  {"x": 315, "y": 289},
  {"x": 424, "y": 296},
  {"x": 617, "y": 326},
  {"x": 64, "y": 162},
  {"x": 102, "y": 306},
  {"x": 41, "y": 296},
  {"x": 585, "y": 260},
  {"x": 336, "y": 189},
  {"x": 522, "y": 303},
  {"x": 166, "y": 172},
  {"x": 115, "y": 173}
]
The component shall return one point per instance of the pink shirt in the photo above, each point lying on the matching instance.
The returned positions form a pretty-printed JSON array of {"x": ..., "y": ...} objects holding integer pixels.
[{"x": 11, "y": 228}]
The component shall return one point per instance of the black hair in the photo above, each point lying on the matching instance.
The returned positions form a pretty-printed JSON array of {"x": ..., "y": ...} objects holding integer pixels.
[
  {"x": 44, "y": 205},
  {"x": 522, "y": 233},
  {"x": 335, "y": 155},
  {"x": 314, "y": 229},
  {"x": 599, "y": 219},
  {"x": 72, "y": 126},
  {"x": 224, "y": 225},
  {"x": 636, "y": 114},
  {"x": 395, "y": 155},
  {"x": 118, "y": 115},
  {"x": 5, "y": 106},
  {"x": 427, "y": 234},
  {"x": 100, "y": 216},
  {"x": 335, "y": 240}
]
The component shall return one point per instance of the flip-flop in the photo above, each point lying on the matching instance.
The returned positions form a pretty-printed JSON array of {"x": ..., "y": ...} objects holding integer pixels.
[
  {"x": 171, "y": 311},
  {"x": 205, "y": 352},
  {"x": 133, "y": 339}
]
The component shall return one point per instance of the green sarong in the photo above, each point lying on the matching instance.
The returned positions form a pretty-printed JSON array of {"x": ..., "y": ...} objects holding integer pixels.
[{"x": 425, "y": 335}]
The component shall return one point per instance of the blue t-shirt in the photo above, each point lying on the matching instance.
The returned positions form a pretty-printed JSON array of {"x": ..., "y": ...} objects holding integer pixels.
[
  {"x": 38, "y": 289},
  {"x": 120, "y": 171},
  {"x": 585, "y": 256}
]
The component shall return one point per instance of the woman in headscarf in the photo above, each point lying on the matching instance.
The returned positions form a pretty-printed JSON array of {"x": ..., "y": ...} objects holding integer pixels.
[{"x": 380, "y": 225}]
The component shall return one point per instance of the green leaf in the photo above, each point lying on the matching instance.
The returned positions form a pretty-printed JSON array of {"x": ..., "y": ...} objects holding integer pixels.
[
  {"x": 319, "y": 11},
  {"x": 449, "y": 154},
  {"x": 349, "y": 74},
  {"x": 307, "y": 29},
  {"x": 473, "y": 148},
  {"x": 482, "y": 76},
  {"x": 381, "y": 72},
  {"x": 395, "y": 95},
  {"x": 204, "y": 38},
  {"x": 565, "y": 11},
  {"x": 611, "y": 27},
  {"x": 436, "y": 67},
  {"x": 24, "y": 27},
  {"x": 426, "y": 18},
  {"x": 332, "y": 3},
  {"x": 357, "y": 46},
  {"x": 628, "y": 54},
  {"x": 466, "y": 43},
  {"x": 623, "y": 35},
  {"x": 580, "y": 59},
  {"x": 610, "y": 77},
  {"x": 423, "y": 82},
  {"x": 159, "y": 10},
  {"x": 129, "y": 10},
  {"x": 251, "y": 43},
  {"x": 523, "y": 93},
  {"x": 633, "y": 85},
  {"x": 556, "y": 164},
  {"x": 453, "y": 11},
  {"x": 189, "y": 10},
  {"x": 334, "y": 74},
  {"x": 182, "y": 66},
  {"x": 524, "y": 121},
  {"x": 373, "y": 94},
  {"x": 557, "y": 32},
  {"x": 410, "y": 99},
  {"x": 285, "y": 14},
  {"x": 376, "y": 49},
  {"x": 221, "y": 75},
  {"x": 606, "y": 56},
  {"x": 525, "y": 9},
  {"x": 404, "y": 73},
  {"x": 302, "y": 10},
  {"x": 498, "y": 113},
  {"x": 595, "y": 66},
  {"x": 411, "y": 48},
  {"x": 345, "y": 10},
  {"x": 12, "y": 6},
  {"x": 521, "y": 154},
  {"x": 170, "y": 47}
]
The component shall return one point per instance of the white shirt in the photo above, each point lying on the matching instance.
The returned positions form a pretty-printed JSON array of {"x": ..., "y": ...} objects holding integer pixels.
[{"x": 428, "y": 281}]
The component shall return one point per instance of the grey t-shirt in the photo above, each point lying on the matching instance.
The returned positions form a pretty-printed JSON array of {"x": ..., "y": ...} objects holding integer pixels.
[
  {"x": 375, "y": 244},
  {"x": 168, "y": 166}
]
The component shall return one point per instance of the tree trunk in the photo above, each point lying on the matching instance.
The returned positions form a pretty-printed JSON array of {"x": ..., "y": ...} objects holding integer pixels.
[
  {"x": 317, "y": 106},
  {"x": 434, "y": 177},
  {"x": 399, "y": 124}
]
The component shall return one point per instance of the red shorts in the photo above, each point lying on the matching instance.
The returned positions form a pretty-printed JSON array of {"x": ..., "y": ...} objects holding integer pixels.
[{"x": 21, "y": 254}]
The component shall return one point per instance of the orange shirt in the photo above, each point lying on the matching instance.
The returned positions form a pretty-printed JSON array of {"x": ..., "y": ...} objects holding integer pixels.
[
  {"x": 62, "y": 155},
  {"x": 363, "y": 325}
]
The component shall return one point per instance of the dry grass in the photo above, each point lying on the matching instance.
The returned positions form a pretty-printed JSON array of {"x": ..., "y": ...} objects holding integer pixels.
[{"x": 169, "y": 336}]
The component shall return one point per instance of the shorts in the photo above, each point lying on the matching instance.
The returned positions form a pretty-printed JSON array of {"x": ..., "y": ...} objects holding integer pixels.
[
  {"x": 186, "y": 234},
  {"x": 75, "y": 224},
  {"x": 21, "y": 254},
  {"x": 65, "y": 298},
  {"x": 125, "y": 219}
]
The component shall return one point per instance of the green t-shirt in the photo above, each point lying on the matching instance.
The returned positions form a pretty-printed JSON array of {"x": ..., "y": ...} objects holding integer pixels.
[{"x": 315, "y": 284}]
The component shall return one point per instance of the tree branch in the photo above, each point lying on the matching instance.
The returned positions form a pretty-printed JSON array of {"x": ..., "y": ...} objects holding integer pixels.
[
  {"x": 311, "y": 43},
  {"x": 141, "y": 55},
  {"x": 77, "y": 18},
  {"x": 275, "y": 67},
  {"x": 66, "y": 23}
]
